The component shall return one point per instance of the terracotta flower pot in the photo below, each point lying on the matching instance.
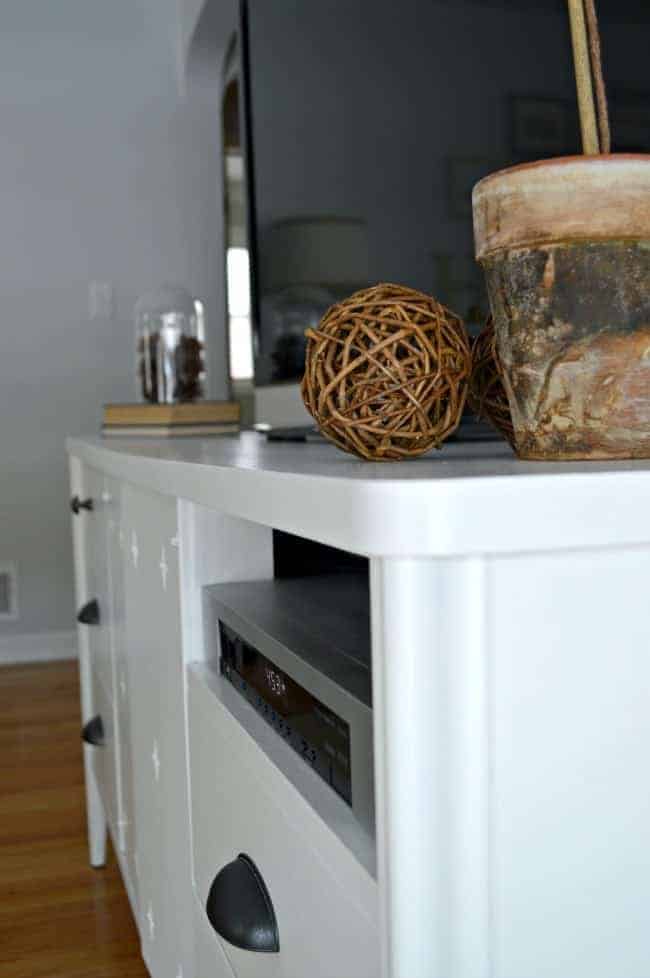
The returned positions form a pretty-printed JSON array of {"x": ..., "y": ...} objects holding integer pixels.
[{"x": 565, "y": 246}]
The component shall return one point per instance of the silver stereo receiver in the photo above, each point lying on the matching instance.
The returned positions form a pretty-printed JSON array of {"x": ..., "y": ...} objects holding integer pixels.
[{"x": 298, "y": 650}]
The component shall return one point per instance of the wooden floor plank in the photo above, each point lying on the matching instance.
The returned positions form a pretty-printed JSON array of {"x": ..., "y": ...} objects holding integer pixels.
[{"x": 58, "y": 917}]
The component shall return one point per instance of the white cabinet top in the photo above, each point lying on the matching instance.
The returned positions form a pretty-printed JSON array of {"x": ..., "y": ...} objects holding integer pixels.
[{"x": 466, "y": 498}]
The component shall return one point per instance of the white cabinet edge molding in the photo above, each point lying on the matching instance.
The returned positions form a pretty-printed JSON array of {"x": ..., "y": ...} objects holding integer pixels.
[{"x": 454, "y": 502}]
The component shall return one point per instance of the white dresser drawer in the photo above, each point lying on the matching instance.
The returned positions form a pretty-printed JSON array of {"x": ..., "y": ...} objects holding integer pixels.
[
  {"x": 99, "y": 651},
  {"x": 211, "y": 960},
  {"x": 324, "y": 900},
  {"x": 97, "y": 582},
  {"x": 104, "y": 757}
]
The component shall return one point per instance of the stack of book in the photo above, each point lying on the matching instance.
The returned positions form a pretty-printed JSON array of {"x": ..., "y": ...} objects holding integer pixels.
[{"x": 171, "y": 420}]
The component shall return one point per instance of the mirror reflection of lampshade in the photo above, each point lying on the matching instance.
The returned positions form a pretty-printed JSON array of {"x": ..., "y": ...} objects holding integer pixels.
[
  {"x": 327, "y": 251},
  {"x": 308, "y": 264}
]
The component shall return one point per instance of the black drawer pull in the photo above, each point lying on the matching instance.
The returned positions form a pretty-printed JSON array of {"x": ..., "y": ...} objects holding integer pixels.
[
  {"x": 76, "y": 504},
  {"x": 93, "y": 732},
  {"x": 239, "y": 907},
  {"x": 89, "y": 614}
]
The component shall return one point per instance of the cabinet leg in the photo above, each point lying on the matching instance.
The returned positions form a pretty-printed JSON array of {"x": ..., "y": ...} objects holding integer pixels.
[
  {"x": 430, "y": 705},
  {"x": 97, "y": 828}
]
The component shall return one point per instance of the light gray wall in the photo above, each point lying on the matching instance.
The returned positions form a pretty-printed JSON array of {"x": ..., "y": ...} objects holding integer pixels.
[
  {"x": 107, "y": 174},
  {"x": 189, "y": 12}
]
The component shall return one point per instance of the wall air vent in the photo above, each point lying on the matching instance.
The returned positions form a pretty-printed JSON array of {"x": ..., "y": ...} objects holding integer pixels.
[{"x": 8, "y": 592}]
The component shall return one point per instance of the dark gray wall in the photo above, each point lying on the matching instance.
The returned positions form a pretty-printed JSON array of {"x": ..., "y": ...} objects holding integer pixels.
[{"x": 372, "y": 109}]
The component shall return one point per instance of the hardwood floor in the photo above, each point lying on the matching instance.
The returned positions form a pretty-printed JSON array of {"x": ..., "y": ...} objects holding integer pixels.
[{"x": 58, "y": 917}]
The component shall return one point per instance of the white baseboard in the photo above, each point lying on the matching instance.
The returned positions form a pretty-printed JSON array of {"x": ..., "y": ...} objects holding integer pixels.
[{"x": 39, "y": 647}]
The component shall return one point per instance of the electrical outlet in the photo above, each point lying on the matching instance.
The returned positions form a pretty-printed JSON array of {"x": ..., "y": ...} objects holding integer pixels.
[
  {"x": 8, "y": 592},
  {"x": 101, "y": 300}
]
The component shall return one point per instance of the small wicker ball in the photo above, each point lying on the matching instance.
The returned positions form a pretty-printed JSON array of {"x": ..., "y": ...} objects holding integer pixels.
[
  {"x": 387, "y": 373},
  {"x": 487, "y": 395}
]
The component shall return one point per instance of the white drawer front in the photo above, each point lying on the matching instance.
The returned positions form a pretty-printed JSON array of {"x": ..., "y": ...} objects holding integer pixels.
[
  {"x": 104, "y": 759},
  {"x": 211, "y": 960},
  {"x": 241, "y": 804},
  {"x": 99, "y": 638},
  {"x": 116, "y": 543}
]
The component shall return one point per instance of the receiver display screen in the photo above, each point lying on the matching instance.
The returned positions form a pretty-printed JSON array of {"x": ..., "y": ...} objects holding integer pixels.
[{"x": 316, "y": 733}]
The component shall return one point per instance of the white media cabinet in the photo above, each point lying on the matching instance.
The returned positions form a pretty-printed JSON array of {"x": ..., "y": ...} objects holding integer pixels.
[{"x": 511, "y": 710}]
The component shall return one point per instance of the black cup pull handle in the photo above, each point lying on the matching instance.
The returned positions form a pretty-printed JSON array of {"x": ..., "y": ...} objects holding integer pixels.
[
  {"x": 239, "y": 907},
  {"x": 93, "y": 732},
  {"x": 89, "y": 614},
  {"x": 76, "y": 504}
]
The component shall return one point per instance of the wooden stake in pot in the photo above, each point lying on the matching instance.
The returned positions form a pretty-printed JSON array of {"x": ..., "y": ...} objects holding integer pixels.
[{"x": 594, "y": 116}]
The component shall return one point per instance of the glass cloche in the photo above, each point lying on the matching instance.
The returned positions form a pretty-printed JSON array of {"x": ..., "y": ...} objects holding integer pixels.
[{"x": 170, "y": 350}]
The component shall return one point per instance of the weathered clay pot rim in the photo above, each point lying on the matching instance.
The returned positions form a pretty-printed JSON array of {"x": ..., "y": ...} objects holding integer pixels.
[
  {"x": 549, "y": 242},
  {"x": 560, "y": 161},
  {"x": 563, "y": 200}
]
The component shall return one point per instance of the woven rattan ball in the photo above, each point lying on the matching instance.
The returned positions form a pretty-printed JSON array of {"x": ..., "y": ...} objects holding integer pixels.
[
  {"x": 487, "y": 395},
  {"x": 387, "y": 373}
]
